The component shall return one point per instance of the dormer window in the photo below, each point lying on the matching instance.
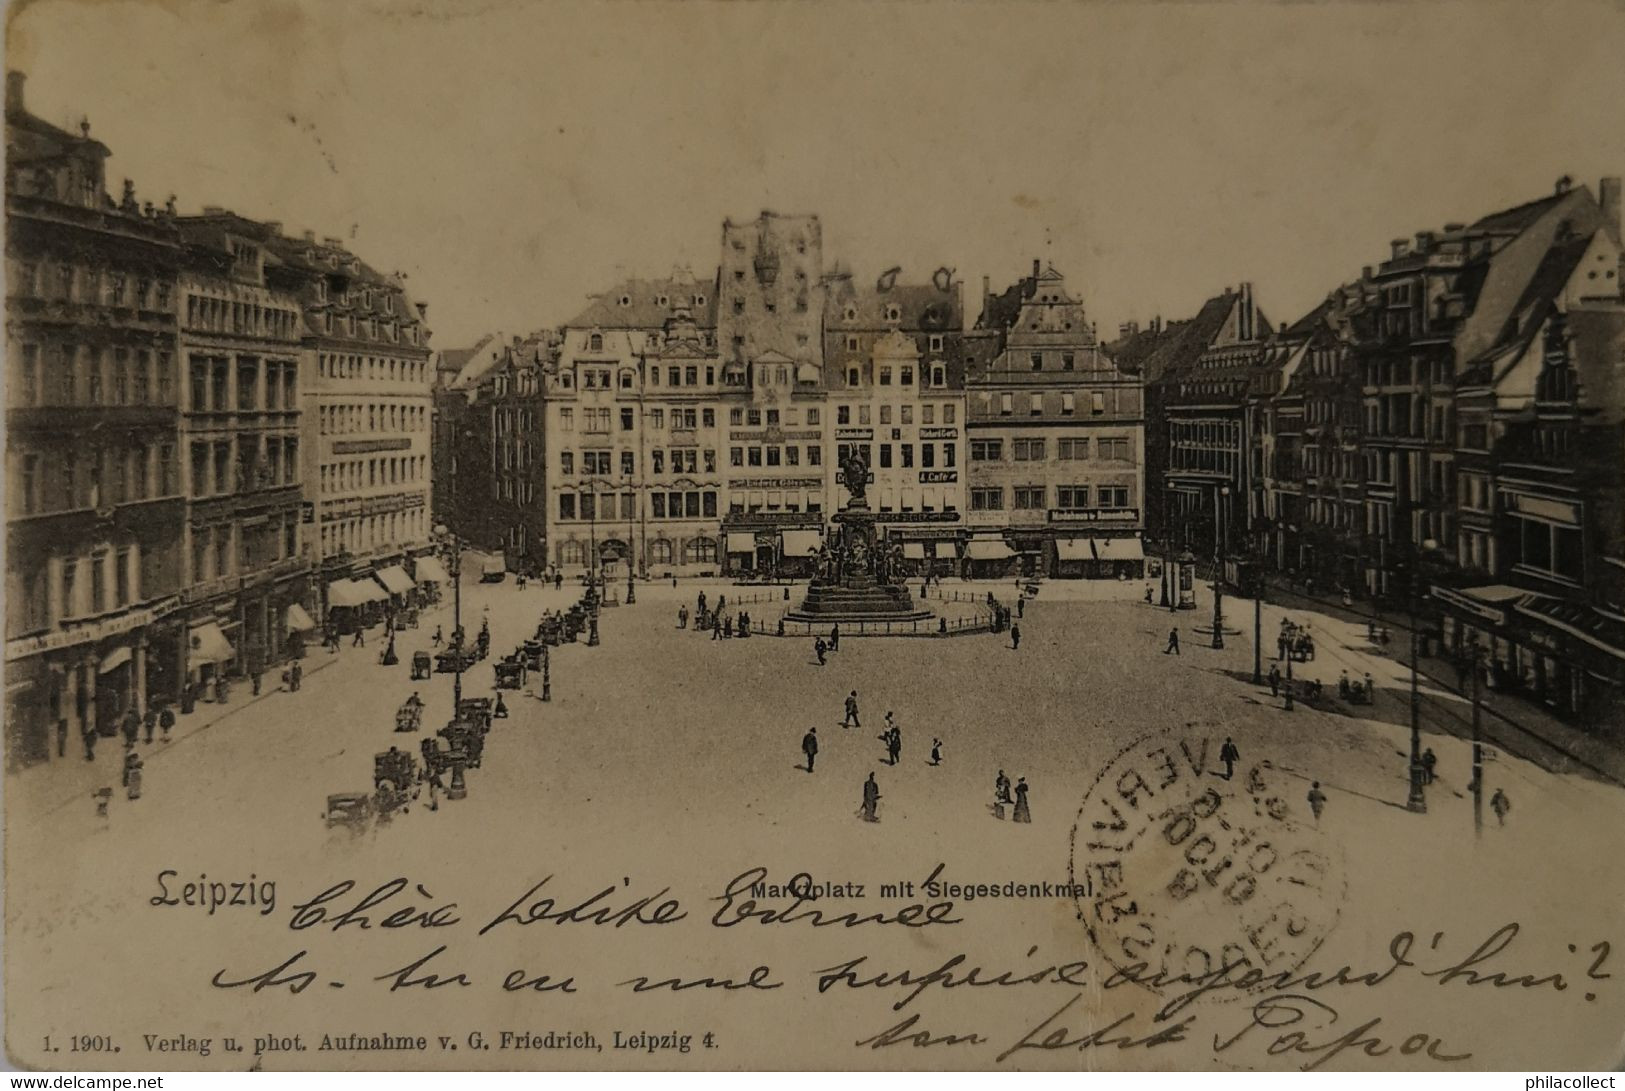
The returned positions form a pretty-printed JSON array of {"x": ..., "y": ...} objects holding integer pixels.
[
  {"x": 389, "y": 304},
  {"x": 595, "y": 343},
  {"x": 699, "y": 301},
  {"x": 852, "y": 376},
  {"x": 850, "y": 314},
  {"x": 894, "y": 313},
  {"x": 662, "y": 300}
]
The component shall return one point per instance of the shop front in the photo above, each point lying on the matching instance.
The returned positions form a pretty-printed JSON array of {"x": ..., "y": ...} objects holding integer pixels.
[
  {"x": 771, "y": 545},
  {"x": 431, "y": 577},
  {"x": 988, "y": 557},
  {"x": 402, "y": 591}
]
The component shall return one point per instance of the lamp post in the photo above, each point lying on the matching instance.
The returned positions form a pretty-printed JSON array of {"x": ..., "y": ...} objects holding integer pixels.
[
  {"x": 1223, "y": 493},
  {"x": 547, "y": 674},
  {"x": 1417, "y": 801},
  {"x": 1477, "y": 654},
  {"x": 631, "y": 533},
  {"x": 452, "y": 549}
]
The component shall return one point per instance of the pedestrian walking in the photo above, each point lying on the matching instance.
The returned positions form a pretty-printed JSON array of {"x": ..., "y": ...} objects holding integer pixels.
[
  {"x": 88, "y": 733},
  {"x": 819, "y": 648},
  {"x": 1023, "y": 814},
  {"x": 166, "y": 720},
  {"x": 1275, "y": 680},
  {"x": 835, "y": 637},
  {"x": 130, "y": 724},
  {"x": 716, "y": 628},
  {"x": 1229, "y": 755},
  {"x": 936, "y": 751},
  {"x": 149, "y": 724},
  {"x": 1148, "y": 594},
  {"x": 1343, "y": 685},
  {"x": 851, "y": 711},
  {"x": 1280, "y": 643},
  {"x": 62, "y": 737},
  {"x": 255, "y": 680},
  {"x": 1500, "y": 804},
  {"x": 1429, "y": 760},
  {"x": 682, "y": 617},
  {"x": 558, "y": 581},
  {"x": 360, "y": 638},
  {"x": 132, "y": 775},
  {"x": 699, "y": 604},
  {"x": 296, "y": 676},
  {"x": 1015, "y": 637},
  {"x": 1317, "y": 800},
  {"x": 1173, "y": 642},
  {"x": 871, "y": 800},
  {"x": 1021, "y": 605},
  {"x": 809, "y": 746},
  {"x": 894, "y": 745}
]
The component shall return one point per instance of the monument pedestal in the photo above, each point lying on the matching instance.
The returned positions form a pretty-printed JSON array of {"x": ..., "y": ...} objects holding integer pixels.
[{"x": 854, "y": 582}]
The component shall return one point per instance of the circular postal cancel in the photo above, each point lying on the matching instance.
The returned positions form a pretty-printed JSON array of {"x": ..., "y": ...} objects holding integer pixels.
[{"x": 1183, "y": 864}]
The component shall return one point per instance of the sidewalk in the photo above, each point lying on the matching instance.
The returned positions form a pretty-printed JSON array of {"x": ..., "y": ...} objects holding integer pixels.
[
  {"x": 1603, "y": 748},
  {"x": 51, "y": 785}
]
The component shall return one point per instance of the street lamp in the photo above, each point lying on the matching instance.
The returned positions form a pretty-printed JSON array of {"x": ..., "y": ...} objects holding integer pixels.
[
  {"x": 1417, "y": 800},
  {"x": 452, "y": 548},
  {"x": 1223, "y": 493},
  {"x": 1476, "y": 659}
]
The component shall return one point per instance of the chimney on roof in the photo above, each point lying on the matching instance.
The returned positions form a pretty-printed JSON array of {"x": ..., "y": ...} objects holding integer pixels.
[
  {"x": 1128, "y": 329},
  {"x": 336, "y": 244},
  {"x": 1365, "y": 272},
  {"x": 423, "y": 312},
  {"x": 1608, "y": 196},
  {"x": 1564, "y": 184},
  {"x": 987, "y": 289},
  {"x": 14, "y": 91},
  {"x": 1037, "y": 268},
  {"x": 1249, "y": 316},
  {"x": 1424, "y": 242},
  {"x": 310, "y": 236},
  {"x": 1400, "y": 247}
]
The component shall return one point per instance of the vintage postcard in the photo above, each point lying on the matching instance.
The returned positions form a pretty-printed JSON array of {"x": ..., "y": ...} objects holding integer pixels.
[{"x": 701, "y": 536}]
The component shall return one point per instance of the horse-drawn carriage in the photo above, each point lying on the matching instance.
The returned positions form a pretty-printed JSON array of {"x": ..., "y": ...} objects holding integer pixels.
[
  {"x": 454, "y": 659},
  {"x": 532, "y": 651},
  {"x": 477, "y": 711},
  {"x": 510, "y": 671},
  {"x": 394, "y": 779},
  {"x": 348, "y": 809},
  {"x": 465, "y": 742},
  {"x": 409, "y": 717},
  {"x": 422, "y": 665}
]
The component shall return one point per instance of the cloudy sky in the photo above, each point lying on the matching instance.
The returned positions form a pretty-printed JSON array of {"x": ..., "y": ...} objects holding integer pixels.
[{"x": 513, "y": 157}]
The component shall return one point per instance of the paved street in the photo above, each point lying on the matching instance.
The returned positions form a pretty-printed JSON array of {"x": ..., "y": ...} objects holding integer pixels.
[{"x": 662, "y": 745}]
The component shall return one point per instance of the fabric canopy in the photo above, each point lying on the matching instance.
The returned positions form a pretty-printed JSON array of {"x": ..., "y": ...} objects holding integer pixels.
[
  {"x": 114, "y": 659},
  {"x": 347, "y": 593},
  {"x": 494, "y": 565},
  {"x": 430, "y": 570},
  {"x": 1073, "y": 549},
  {"x": 946, "y": 551},
  {"x": 914, "y": 551},
  {"x": 801, "y": 543},
  {"x": 209, "y": 644},
  {"x": 1120, "y": 549},
  {"x": 298, "y": 621},
  {"x": 988, "y": 549},
  {"x": 395, "y": 578},
  {"x": 739, "y": 542}
]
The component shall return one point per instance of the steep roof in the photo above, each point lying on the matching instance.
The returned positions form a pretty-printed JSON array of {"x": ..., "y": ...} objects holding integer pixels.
[
  {"x": 1180, "y": 352},
  {"x": 1518, "y": 217},
  {"x": 643, "y": 309},
  {"x": 922, "y": 306}
]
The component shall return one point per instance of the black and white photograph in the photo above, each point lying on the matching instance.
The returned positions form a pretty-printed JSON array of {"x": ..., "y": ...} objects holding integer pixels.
[{"x": 890, "y": 537}]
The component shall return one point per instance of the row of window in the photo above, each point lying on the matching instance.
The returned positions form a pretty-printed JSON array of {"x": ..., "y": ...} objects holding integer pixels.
[
  {"x": 79, "y": 284},
  {"x": 94, "y": 479},
  {"x": 102, "y": 580},
  {"x": 339, "y": 365},
  {"x": 349, "y": 326},
  {"x": 1066, "y": 404},
  {"x": 247, "y": 319},
  {"x": 261, "y": 462},
  {"x": 1069, "y": 449},
  {"x": 363, "y": 533},
  {"x": 905, "y": 414},
  {"x": 1036, "y": 497},
  {"x": 91, "y": 375},
  {"x": 904, "y": 455},
  {"x": 232, "y": 549},
  {"x": 348, "y": 418},
  {"x": 352, "y": 474},
  {"x": 253, "y": 384}
]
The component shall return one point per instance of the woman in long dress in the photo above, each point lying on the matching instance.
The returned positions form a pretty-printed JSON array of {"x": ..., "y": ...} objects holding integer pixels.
[{"x": 1022, "y": 813}]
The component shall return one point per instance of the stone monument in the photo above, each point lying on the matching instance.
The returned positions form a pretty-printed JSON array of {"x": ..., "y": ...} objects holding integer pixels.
[{"x": 858, "y": 576}]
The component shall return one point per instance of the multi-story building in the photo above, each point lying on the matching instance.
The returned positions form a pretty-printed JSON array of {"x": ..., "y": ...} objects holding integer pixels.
[
  {"x": 1056, "y": 436},
  {"x": 509, "y": 402},
  {"x": 894, "y": 361},
  {"x": 1207, "y": 379},
  {"x": 770, "y": 314},
  {"x": 632, "y": 431},
  {"x": 94, "y": 509},
  {"x": 245, "y": 575},
  {"x": 366, "y": 424}
]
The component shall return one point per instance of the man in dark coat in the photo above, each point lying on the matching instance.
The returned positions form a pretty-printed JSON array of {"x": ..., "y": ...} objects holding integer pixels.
[
  {"x": 1015, "y": 637},
  {"x": 1173, "y": 642},
  {"x": 809, "y": 746},
  {"x": 166, "y": 720},
  {"x": 851, "y": 711},
  {"x": 871, "y": 800},
  {"x": 149, "y": 724},
  {"x": 1229, "y": 755}
]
